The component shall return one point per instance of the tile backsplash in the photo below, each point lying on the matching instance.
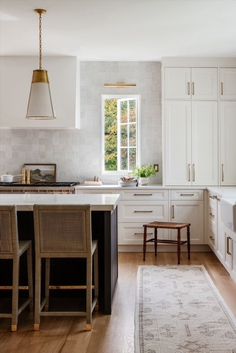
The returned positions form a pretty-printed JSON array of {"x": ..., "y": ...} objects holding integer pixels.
[{"x": 78, "y": 153}]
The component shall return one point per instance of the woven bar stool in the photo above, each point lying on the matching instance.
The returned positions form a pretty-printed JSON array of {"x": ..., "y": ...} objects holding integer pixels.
[
  {"x": 64, "y": 232},
  {"x": 166, "y": 225},
  {"x": 12, "y": 249}
]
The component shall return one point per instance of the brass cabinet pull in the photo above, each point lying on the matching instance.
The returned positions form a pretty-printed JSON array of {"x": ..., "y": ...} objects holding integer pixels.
[
  {"x": 173, "y": 211},
  {"x": 227, "y": 245},
  {"x": 186, "y": 195},
  {"x": 142, "y": 233},
  {"x": 222, "y": 88},
  {"x": 212, "y": 215},
  {"x": 222, "y": 173},
  {"x": 212, "y": 238},
  {"x": 193, "y": 172},
  {"x": 142, "y": 194},
  {"x": 137, "y": 211},
  {"x": 188, "y": 85},
  {"x": 193, "y": 89},
  {"x": 189, "y": 172}
]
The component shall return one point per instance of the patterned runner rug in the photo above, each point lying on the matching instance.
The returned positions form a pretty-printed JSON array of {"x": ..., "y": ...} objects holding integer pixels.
[{"x": 179, "y": 310}]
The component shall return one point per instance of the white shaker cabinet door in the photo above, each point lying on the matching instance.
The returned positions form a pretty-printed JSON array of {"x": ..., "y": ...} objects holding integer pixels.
[
  {"x": 178, "y": 142},
  {"x": 228, "y": 84},
  {"x": 177, "y": 83},
  {"x": 204, "y": 143},
  {"x": 228, "y": 143},
  {"x": 204, "y": 84},
  {"x": 188, "y": 212}
]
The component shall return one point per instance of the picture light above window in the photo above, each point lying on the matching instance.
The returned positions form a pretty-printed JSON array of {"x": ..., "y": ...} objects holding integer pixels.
[{"x": 119, "y": 85}]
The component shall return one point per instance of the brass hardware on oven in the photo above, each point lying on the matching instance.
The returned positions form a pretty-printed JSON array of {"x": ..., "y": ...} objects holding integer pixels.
[
  {"x": 213, "y": 197},
  {"x": 212, "y": 215}
]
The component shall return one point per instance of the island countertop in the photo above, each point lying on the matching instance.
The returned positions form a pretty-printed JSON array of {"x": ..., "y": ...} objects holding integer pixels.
[{"x": 25, "y": 202}]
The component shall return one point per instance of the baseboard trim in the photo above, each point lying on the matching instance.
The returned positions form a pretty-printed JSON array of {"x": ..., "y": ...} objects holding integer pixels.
[{"x": 164, "y": 248}]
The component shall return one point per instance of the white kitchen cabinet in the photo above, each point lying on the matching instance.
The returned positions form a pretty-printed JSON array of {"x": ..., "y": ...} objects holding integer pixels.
[
  {"x": 204, "y": 83},
  {"x": 227, "y": 143},
  {"x": 190, "y": 83},
  {"x": 220, "y": 233},
  {"x": 191, "y": 133},
  {"x": 15, "y": 80},
  {"x": 228, "y": 83},
  {"x": 178, "y": 142},
  {"x": 204, "y": 143},
  {"x": 188, "y": 212},
  {"x": 177, "y": 83}
]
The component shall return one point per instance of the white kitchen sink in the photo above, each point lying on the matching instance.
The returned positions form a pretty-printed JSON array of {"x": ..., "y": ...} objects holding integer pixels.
[{"x": 228, "y": 213}]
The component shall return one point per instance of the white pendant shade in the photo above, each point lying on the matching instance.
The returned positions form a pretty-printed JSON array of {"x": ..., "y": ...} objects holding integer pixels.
[{"x": 40, "y": 101}]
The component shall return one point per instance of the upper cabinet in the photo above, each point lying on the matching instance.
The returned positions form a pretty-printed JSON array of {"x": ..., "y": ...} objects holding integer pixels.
[
  {"x": 204, "y": 83},
  {"x": 15, "y": 80},
  {"x": 190, "y": 83},
  {"x": 228, "y": 84},
  {"x": 177, "y": 83}
]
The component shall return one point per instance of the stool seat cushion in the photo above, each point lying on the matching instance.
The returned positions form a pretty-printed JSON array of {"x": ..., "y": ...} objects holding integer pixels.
[{"x": 168, "y": 225}]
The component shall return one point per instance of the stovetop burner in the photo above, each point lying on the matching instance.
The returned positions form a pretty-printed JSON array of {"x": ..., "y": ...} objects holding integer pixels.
[{"x": 53, "y": 184}]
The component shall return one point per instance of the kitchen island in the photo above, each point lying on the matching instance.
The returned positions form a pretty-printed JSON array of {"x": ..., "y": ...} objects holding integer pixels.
[{"x": 104, "y": 229}]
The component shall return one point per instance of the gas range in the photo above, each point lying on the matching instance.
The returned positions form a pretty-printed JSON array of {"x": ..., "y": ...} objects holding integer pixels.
[{"x": 42, "y": 184}]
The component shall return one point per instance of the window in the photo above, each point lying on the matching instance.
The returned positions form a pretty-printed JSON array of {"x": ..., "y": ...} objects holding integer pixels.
[{"x": 120, "y": 133}]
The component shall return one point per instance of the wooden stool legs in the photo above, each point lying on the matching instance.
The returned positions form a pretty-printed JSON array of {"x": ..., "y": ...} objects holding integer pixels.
[
  {"x": 188, "y": 241},
  {"x": 178, "y": 245},
  {"x": 144, "y": 242},
  {"x": 155, "y": 241},
  {"x": 167, "y": 225}
]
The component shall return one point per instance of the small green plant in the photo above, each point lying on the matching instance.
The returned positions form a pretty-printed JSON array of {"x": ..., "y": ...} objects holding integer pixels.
[{"x": 145, "y": 171}]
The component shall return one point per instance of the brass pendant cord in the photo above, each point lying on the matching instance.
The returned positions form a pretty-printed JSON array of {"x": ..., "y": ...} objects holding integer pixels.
[{"x": 40, "y": 41}]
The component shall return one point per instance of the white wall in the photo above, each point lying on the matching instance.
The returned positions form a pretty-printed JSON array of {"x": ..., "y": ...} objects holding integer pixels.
[{"x": 78, "y": 152}]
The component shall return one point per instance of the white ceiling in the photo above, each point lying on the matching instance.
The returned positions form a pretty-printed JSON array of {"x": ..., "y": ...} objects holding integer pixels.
[{"x": 120, "y": 29}]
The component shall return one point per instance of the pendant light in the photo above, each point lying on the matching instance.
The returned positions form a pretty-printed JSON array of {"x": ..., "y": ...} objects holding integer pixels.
[{"x": 40, "y": 101}]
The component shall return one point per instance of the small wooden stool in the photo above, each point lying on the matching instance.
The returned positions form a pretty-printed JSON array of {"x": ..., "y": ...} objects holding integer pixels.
[{"x": 166, "y": 225}]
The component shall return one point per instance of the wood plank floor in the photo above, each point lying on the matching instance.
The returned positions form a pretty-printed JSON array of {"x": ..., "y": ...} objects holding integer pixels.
[{"x": 111, "y": 334}]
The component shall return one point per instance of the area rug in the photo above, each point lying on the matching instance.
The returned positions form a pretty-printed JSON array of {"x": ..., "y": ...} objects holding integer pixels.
[{"x": 179, "y": 310}]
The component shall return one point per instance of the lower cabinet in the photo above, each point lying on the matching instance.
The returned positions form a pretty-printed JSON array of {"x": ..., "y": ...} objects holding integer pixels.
[
  {"x": 221, "y": 239},
  {"x": 189, "y": 212},
  {"x": 139, "y": 206},
  {"x": 187, "y": 206}
]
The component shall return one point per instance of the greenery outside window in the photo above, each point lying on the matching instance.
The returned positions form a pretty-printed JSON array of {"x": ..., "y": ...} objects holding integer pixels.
[{"x": 120, "y": 132}]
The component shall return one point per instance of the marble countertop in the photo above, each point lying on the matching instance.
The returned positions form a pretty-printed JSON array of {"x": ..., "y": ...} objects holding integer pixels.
[
  {"x": 147, "y": 187},
  {"x": 97, "y": 202},
  {"x": 223, "y": 192}
]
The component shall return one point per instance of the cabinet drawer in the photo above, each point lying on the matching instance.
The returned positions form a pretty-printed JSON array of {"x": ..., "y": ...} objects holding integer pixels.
[
  {"x": 132, "y": 233},
  {"x": 186, "y": 194},
  {"x": 130, "y": 211},
  {"x": 143, "y": 195}
]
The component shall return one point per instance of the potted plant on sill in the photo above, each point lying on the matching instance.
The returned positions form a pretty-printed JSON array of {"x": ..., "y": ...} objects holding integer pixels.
[{"x": 143, "y": 174}]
